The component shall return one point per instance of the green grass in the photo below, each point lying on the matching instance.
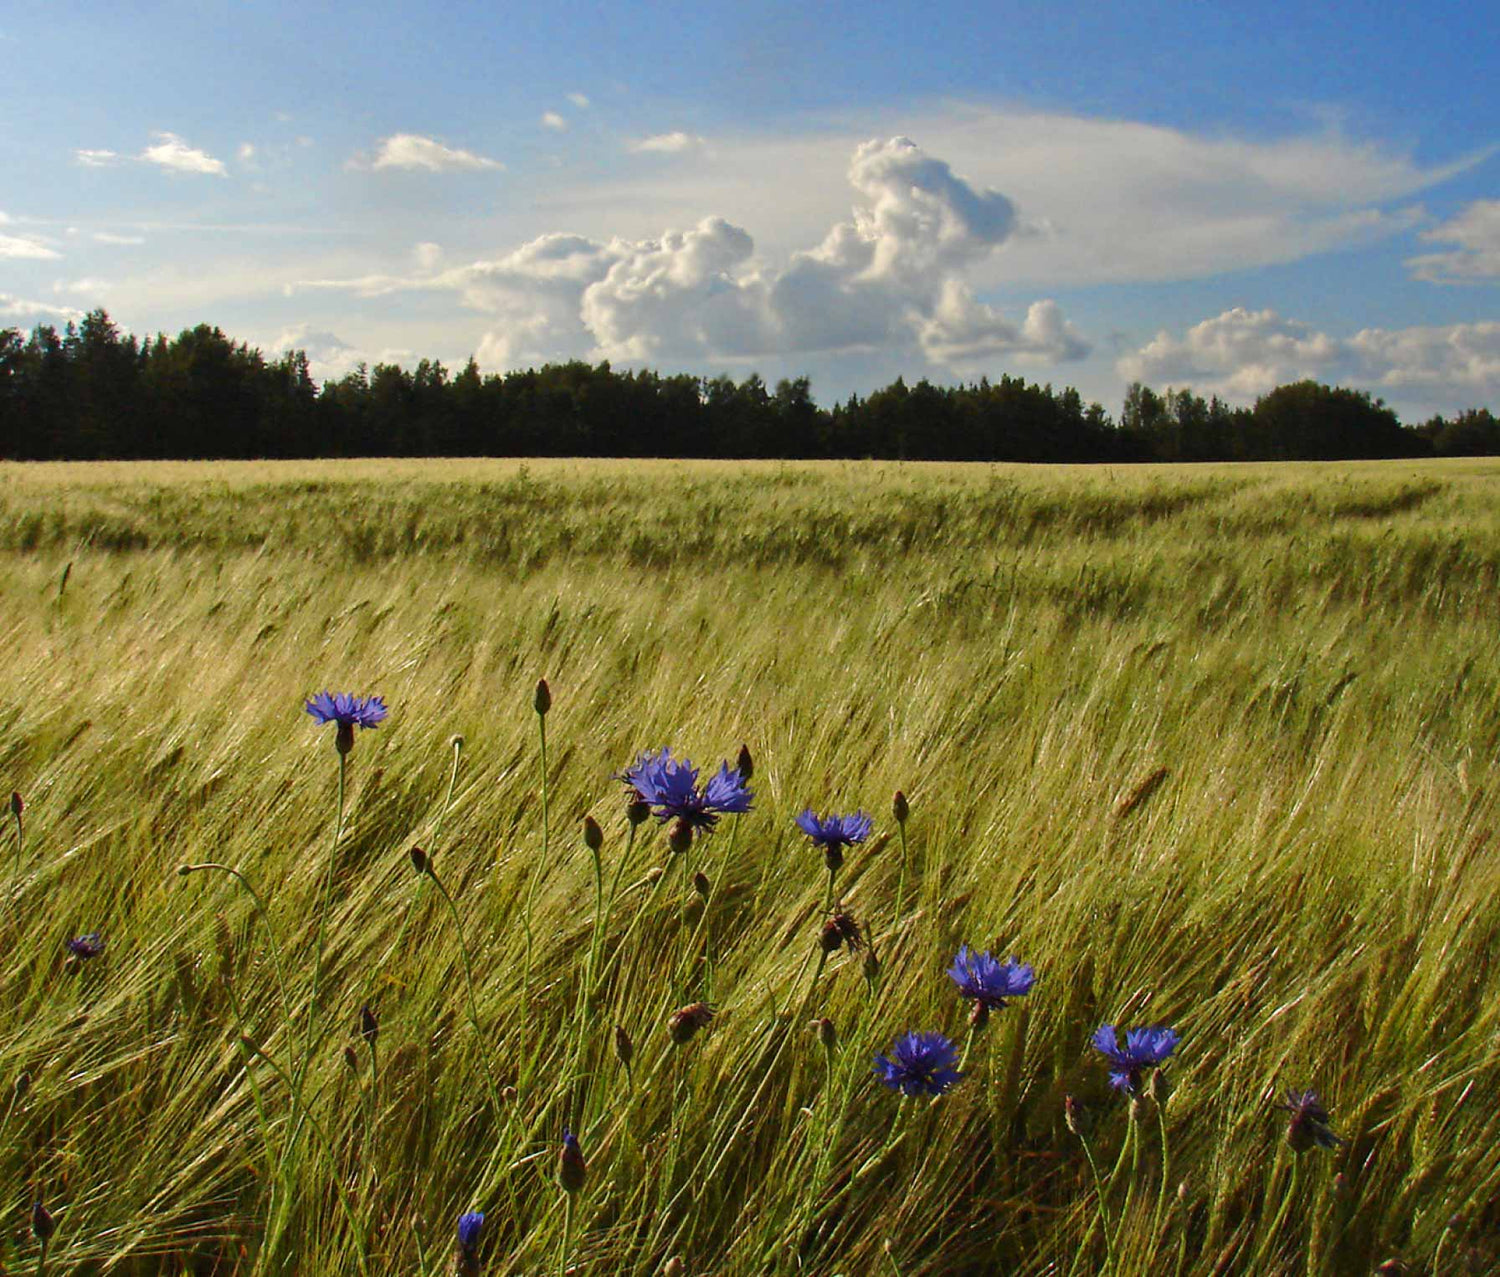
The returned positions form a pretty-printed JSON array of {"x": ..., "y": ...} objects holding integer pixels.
[{"x": 1311, "y": 896}]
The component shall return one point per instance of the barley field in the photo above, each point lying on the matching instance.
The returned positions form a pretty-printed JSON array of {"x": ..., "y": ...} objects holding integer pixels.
[{"x": 1208, "y": 748}]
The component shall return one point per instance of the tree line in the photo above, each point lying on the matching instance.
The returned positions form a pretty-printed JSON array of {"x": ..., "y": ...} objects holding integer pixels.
[{"x": 91, "y": 392}]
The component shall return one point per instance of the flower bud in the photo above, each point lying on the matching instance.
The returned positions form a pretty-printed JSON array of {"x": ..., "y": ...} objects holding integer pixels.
[
  {"x": 673, "y": 1267},
  {"x": 369, "y": 1026},
  {"x": 653, "y": 875},
  {"x": 745, "y": 764},
  {"x": 872, "y": 964},
  {"x": 16, "y": 805},
  {"x": 543, "y": 701},
  {"x": 681, "y": 837},
  {"x": 593, "y": 836},
  {"x": 1073, "y": 1114},
  {"x": 42, "y": 1223},
  {"x": 701, "y": 884},
  {"x": 1159, "y": 1088},
  {"x": 184, "y": 870},
  {"x": 824, "y": 1030},
  {"x": 979, "y": 1015},
  {"x": 456, "y": 741},
  {"x": 572, "y": 1170},
  {"x": 1137, "y": 1108},
  {"x": 23, "y": 1085},
  {"x": 624, "y": 1047},
  {"x": 351, "y": 1058},
  {"x": 686, "y": 1021},
  {"x": 900, "y": 809},
  {"x": 420, "y": 861}
]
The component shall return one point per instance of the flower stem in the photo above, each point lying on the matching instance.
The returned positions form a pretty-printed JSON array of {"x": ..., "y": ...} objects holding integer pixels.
[
  {"x": 901, "y": 881},
  {"x": 1166, "y": 1165},
  {"x": 1103, "y": 1202},
  {"x": 567, "y": 1237},
  {"x": 260, "y": 908},
  {"x": 312, "y": 1002},
  {"x": 463, "y": 950}
]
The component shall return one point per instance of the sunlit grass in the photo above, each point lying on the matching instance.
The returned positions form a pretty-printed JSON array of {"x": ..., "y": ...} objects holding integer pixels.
[{"x": 1308, "y": 893}]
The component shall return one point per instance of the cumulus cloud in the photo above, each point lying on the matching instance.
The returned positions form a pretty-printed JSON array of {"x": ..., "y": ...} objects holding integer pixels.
[
  {"x": 21, "y": 246},
  {"x": 1476, "y": 231},
  {"x": 1243, "y": 353},
  {"x": 86, "y": 287},
  {"x": 887, "y": 278},
  {"x": 329, "y": 356},
  {"x": 667, "y": 143},
  {"x": 413, "y": 151},
  {"x": 97, "y": 158},
  {"x": 172, "y": 152},
  {"x": 18, "y": 308},
  {"x": 580, "y": 100},
  {"x": 552, "y": 120}
]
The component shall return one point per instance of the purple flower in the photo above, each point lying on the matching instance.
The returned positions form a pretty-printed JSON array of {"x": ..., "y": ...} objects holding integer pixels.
[
  {"x": 835, "y": 832},
  {"x": 1309, "y": 1124},
  {"x": 670, "y": 787},
  {"x": 920, "y": 1063},
  {"x": 470, "y": 1225},
  {"x": 347, "y": 709},
  {"x": 86, "y": 946},
  {"x": 988, "y": 981},
  {"x": 1144, "y": 1049},
  {"x": 572, "y": 1170}
]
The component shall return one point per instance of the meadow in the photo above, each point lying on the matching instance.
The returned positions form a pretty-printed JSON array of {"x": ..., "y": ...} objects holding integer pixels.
[{"x": 1209, "y": 748}]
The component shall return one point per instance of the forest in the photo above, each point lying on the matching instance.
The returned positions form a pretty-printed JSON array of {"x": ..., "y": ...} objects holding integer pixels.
[{"x": 91, "y": 392}]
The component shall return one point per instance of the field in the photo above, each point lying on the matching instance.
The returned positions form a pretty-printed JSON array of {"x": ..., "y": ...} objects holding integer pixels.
[{"x": 1209, "y": 748}]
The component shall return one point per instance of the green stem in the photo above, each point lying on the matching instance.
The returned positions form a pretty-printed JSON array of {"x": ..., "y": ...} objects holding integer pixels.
[
  {"x": 1268, "y": 1239},
  {"x": 1166, "y": 1166},
  {"x": 15, "y": 884},
  {"x": 901, "y": 881},
  {"x": 463, "y": 950},
  {"x": 260, "y": 908},
  {"x": 1103, "y": 1201},
  {"x": 531, "y": 881},
  {"x": 567, "y": 1237},
  {"x": 312, "y": 1002},
  {"x": 963, "y": 1059}
]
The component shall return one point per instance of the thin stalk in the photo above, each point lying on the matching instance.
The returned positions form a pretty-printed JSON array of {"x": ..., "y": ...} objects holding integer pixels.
[
  {"x": 901, "y": 881},
  {"x": 531, "y": 881},
  {"x": 1268, "y": 1239},
  {"x": 463, "y": 950},
  {"x": 963, "y": 1059},
  {"x": 567, "y": 1237},
  {"x": 260, "y": 908},
  {"x": 15, "y": 882},
  {"x": 312, "y": 1003},
  {"x": 1103, "y": 1201},
  {"x": 1166, "y": 1166}
]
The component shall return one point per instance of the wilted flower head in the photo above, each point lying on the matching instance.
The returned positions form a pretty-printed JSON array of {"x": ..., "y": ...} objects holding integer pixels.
[
  {"x": 669, "y": 786},
  {"x": 1144, "y": 1049},
  {"x": 42, "y": 1223},
  {"x": 572, "y": 1170},
  {"x": 920, "y": 1063},
  {"x": 686, "y": 1021},
  {"x": 839, "y": 929},
  {"x": 87, "y": 946},
  {"x": 1309, "y": 1123},
  {"x": 348, "y": 711}
]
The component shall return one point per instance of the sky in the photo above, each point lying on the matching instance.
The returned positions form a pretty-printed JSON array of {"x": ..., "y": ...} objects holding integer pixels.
[{"x": 1224, "y": 197}]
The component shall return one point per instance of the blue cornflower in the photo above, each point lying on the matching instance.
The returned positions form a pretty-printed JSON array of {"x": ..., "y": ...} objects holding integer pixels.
[
  {"x": 1309, "y": 1124},
  {"x": 83, "y": 947},
  {"x": 834, "y": 833},
  {"x": 922, "y": 1063},
  {"x": 348, "y": 711},
  {"x": 1144, "y": 1049},
  {"x": 470, "y": 1225},
  {"x": 988, "y": 982},
  {"x": 670, "y": 787}
]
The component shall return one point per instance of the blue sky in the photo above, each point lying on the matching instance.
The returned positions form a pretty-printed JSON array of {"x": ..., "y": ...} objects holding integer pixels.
[{"x": 1223, "y": 196}]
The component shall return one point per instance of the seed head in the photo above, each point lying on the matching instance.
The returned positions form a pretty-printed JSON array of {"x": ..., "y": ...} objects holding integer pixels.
[
  {"x": 572, "y": 1170},
  {"x": 686, "y": 1021},
  {"x": 593, "y": 836},
  {"x": 1309, "y": 1122},
  {"x": 840, "y": 929},
  {"x": 543, "y": 701}
]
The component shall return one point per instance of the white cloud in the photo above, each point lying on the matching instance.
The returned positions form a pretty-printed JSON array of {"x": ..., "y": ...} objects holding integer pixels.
[
  {"x": 887, "y": 279},
  {"x": 412, "y": 151},
  {"x": 552, "y": 120},
  {"x": 668, "y": 143},
  {"x": 329, "y": 356},
  {"x": 19, "y": 246},
  {"x": 1243, "y": 353},
  {"x": 96, "y": 158},
  {"x": 17, "y": 308},
  {"x": 109, "y": 237},
  {"x": 1476, "y": 231},
  {"x": 172, "y": 152},
  {"x": 87, "y": 287},
  {"x": 580, "y": 100},
  {"x": 246, "y": 153},
  {"x": 427, "y": 255}
]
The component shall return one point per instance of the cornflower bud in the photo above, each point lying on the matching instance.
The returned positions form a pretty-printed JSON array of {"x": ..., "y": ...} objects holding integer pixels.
[
  {"x": 900, "y": 809},
  {"x": 825, "y": 1031},
  {"x": 593, "y": 836},
  {"x": 369, "y": 1026},
  {"x": 624, "y": 1047},
  {"x": 1137, "y": 1108},
  {"x": 351, "y": 1058},
  {"x": 23, "y": 1085},
  {"x": 1073, "y": 1114},
  {"x": 745, "y": 764},
  {"x": 42, "y": 1223},
  {"x": 572, "y": 1170},
  {"x": 653, "y": 875},
  {"x": 701, "y": 884},
  {"x": 508, "y": 1094},
  {"x": 543, "y": 701},
  {"x": 420, "y": 861},
  {"x": 16, "y": 805},
  {"x": 1159, "y": 1088},
  {"x": 673, "y": 1267}
]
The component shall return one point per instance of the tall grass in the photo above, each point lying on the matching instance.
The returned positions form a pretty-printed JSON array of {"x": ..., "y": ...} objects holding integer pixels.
[{"x": 1209, "y": 748}]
